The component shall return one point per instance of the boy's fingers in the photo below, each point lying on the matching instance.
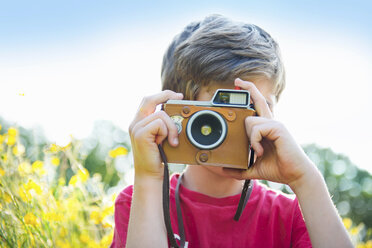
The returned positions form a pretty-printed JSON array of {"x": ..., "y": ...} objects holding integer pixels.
[
  {"x": 159, "y": 129},
  {"x": 241, "y": 174},
  {"x": 170, "y": 126},
  {"x": 258, "y": 128},
  {"x": 149, "y": 103},
  {"x": 255, "y": 138},
  {"x": 156, "y": 130},
  {"x": 251, "y": 121},
  {"x": 258, "y": 99},
  {"x": 271, "y": 131}
]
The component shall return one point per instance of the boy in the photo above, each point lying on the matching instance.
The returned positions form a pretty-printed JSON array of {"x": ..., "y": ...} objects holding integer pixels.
[{"x": 212, "y": 54}]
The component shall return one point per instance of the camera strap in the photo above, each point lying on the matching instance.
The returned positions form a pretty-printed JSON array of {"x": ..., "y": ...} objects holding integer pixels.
[
  {"x": 246, "y": 193},
  {"x": 166, "y": 210}
]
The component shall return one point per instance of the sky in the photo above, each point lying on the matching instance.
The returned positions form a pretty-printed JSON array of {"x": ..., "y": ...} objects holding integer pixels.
[{"x": 66, "y": 64}]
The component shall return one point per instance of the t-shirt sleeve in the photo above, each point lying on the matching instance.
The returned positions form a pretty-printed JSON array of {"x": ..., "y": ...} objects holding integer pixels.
[
  {"x": 121, "y": 216},
  {"x": 300, "y": 236}
]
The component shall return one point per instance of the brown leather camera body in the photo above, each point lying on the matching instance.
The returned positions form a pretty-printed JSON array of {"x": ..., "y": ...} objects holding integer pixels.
[{"x": 233, "y": 152}]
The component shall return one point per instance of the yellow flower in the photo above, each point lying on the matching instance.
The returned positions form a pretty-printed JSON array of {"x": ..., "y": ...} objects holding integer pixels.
[
  {"x": 32, "y": 238},
  {"x": 93, "y": 244},
  {"x": 2, "y": 172},
  {"x": 11, "y": 137},
  {"x": 61, "y": 181},
  {"x": 55, "y": 161},
  {"x": 24, "y": 168},
  {"x": 31, "y": 185},
  {"x": 369, "y": 244},
  {"x": 54, "y": 148},
  {"x": 24, "y": 191},
  {"x": 84, "y": 238},
  {"x": 63, "y": 244},
  {"x": 119, "y": 151},
  {"x": 12, "y": 131},
  {"x": 354, "y": 231},
  {"x": 37, "y": 165},
  {"x": 11, "y": 140},
  {"x": 74, "y": 179},
  {"x": 96, "y": 217},
  {"x": 83, "y": 174},
  {"x": 18, "y": 150},
  {"x": 0, "y": 127},
  {"x": 15, "y": 150},
  {"x": 31, "y": 219},
  {"x": 361, "y": 245},
  {"x": 7, "y": 197},
  {"x": 1, "y": 207},
  {"x": 1, "y": 138},
  {"x": 73, "y": 207},
  {"x": 108, "y": 211},
  {"x": 63, "y": 232},
  {"x": 347, "y": 222},
  {"x": 106, "y": 240},
  {"x": 53, "y": 216},
  {"x": 24, "y": 194}
]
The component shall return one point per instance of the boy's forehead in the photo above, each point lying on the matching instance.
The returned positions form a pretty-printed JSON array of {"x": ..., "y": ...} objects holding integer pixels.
[
  {"x": 264, "y": 85},
  {"x": 213, "y": 86},
  {"x": 206, "y": 92}
]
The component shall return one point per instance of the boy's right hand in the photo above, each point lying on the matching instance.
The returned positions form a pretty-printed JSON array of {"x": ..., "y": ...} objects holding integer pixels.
[{"x": 147, "y": 130}]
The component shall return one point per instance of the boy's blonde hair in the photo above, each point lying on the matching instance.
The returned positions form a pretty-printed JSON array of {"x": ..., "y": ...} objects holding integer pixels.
[{"x": 220, "y": 50}]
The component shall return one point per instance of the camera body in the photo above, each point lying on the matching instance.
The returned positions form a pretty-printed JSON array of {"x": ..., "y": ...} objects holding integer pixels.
[{"x": 211, "y": 132}]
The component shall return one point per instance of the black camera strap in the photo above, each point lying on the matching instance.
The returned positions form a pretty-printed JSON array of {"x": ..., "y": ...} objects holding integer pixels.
[
  {"x": 166, "y": 210},
  {"x": 246, "y": 193},
  {"x": 247, "y": 190}
]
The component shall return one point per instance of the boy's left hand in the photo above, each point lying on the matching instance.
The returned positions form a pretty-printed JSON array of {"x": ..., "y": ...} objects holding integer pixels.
[{"x": 279, "y": 157}]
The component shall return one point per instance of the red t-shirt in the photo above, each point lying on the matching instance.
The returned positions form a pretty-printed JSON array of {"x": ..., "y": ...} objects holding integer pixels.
[{"x": 270, "y": 219}]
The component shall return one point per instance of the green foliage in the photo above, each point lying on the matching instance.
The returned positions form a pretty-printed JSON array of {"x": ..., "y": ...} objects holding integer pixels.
[
  {"x": 96, "y": 151},
  {"x": 101, "y": 155},
  {"x": 349, "y": 186}
]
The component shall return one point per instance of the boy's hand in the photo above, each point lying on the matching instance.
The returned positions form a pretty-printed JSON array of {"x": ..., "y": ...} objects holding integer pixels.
[
  {"x": 279, "y": 157},
  {"x": 147, "y": 130}
]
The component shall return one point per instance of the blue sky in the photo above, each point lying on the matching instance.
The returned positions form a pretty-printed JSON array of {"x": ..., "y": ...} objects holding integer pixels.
[
  {"x": 76, "y": 61},
  {"x": 30, "y": 23}
]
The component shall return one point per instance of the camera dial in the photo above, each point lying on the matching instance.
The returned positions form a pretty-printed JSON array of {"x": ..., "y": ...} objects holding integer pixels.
[{"x": 177, "y": 119}]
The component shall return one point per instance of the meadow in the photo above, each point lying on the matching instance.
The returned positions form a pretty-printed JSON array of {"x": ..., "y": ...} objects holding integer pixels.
[{"x": 63, "y": 196}]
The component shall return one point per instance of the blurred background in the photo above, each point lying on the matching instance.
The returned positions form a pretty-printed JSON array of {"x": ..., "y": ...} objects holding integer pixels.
[{"x": 73, "y": 73}]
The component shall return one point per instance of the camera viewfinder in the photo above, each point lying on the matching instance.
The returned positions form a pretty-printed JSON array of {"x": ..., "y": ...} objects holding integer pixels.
[{"x": 231, "y": 98}]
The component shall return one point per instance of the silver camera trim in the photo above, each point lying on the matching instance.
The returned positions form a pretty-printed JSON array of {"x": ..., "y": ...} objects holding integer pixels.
[
  {"x": 215, "y": 144},
  {"x": 211, "y": 104}
]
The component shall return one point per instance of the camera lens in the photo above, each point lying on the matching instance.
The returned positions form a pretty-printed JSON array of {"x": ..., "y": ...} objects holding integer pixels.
[{"x": 206, "y": 129}]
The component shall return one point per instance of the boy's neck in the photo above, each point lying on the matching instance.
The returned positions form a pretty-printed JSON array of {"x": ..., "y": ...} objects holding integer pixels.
[{"x": 208, "y": 181}]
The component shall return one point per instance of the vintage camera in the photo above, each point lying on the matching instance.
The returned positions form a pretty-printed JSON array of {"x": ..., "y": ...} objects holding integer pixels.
[{"x": 211, "y": 132}]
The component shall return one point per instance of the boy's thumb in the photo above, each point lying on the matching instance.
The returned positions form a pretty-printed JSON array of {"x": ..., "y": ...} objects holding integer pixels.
[{"x": 240, "y": 174}]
